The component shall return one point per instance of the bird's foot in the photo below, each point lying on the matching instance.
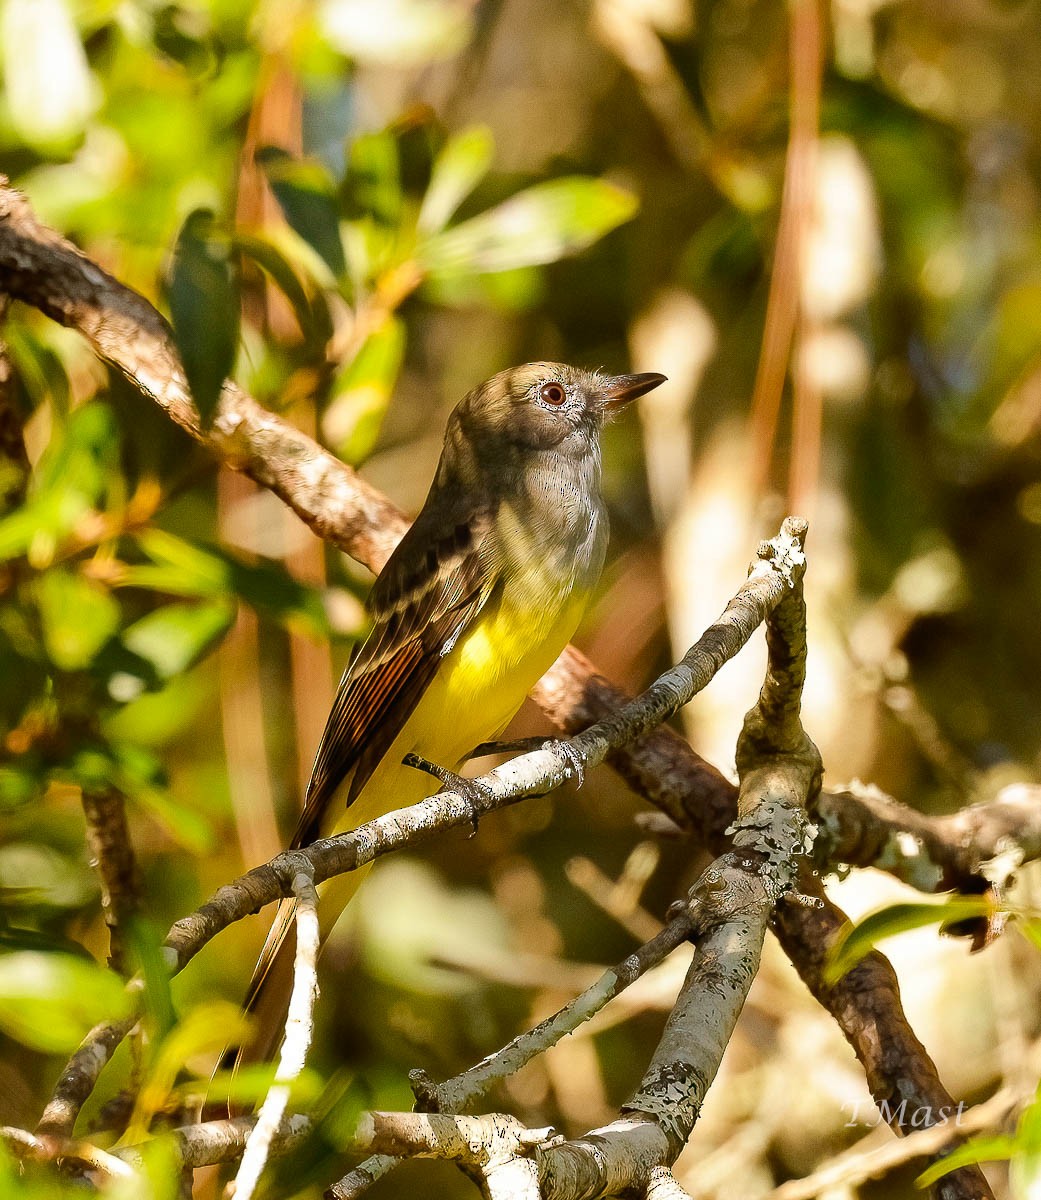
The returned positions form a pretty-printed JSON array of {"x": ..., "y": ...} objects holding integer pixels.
[
  {"x": 574, "y": 759},
  {"x": 524, "y": 745},
  {"x": 472, "y": 793}
]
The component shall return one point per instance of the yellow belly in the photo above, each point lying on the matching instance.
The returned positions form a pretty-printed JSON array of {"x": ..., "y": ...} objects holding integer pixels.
[{"x": 480, "y": 686}]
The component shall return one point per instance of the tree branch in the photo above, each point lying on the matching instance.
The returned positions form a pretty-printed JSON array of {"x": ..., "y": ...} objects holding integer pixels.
[{"x": 108, "y": 840}]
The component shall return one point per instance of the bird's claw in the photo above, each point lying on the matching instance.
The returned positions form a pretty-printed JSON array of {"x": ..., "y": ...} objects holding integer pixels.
[
  {"x": 578, "y": 767},
  {"x": 472, "y": 793}
]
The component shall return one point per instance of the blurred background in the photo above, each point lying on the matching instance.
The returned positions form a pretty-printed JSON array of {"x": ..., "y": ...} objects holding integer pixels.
[{"x": 821, "y": 221}]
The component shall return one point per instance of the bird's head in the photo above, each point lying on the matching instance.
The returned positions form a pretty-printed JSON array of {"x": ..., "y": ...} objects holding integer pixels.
[{"x": 543, "y": 405}]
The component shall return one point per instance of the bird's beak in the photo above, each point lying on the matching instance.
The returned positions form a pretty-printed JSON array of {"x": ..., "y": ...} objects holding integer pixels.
[{"x": 618, "y": 390}]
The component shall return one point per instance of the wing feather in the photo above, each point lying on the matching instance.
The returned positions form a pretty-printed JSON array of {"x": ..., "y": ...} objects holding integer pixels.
[{"x": 422, "y": 601}]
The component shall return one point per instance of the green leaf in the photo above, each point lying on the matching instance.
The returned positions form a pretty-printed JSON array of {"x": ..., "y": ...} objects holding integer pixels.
[
  {"x": 540, "y": 225},
  {"x": 989, "y": 1148},
  {"x": 856, "y": 941},
  {"x": 51, "y": 1001},
  {"x": 72, "y": 477},
  {"x": 249, "y": 1084},
  {"x": 205, "y": 1029},
  {"x": 361, "y": 391},
  {"x": 78, "y": 617},
  {"x": 373, "y": 182},
  {"x": 177, "y": 636},
  {"x": 312, "y": 315},
  {"x": 458, "y": 169},
  {"x": 1030, "y": 928},
  {"x": 146, "y": 953},
  {"x": 204, "y": 303},
  {"x": 184, "y": 569},
  {"x": 1025, "y": 1169},
  {"x": 307, "y": 198}
]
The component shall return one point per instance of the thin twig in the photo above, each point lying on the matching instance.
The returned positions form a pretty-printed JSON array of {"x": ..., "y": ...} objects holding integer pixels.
[
  {"x": 108, "y": 839},
  {"x": 299, "y": 1030},
  {"x": 856, "y": 1165}
]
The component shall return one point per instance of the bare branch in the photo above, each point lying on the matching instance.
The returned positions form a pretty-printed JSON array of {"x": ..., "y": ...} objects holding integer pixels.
[
  {"x": 77, "y": 1081},
  {"x": 732, "y": 902},
  {"x": 220, "y": 1141},
  {"x": 108, "y": 840},
  {"x": 663, "y": 1186},
  {"x": 862, "y": 826}
]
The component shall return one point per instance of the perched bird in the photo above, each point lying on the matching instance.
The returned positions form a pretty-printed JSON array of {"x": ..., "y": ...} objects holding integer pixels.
[{"x": 474, "y": 605}]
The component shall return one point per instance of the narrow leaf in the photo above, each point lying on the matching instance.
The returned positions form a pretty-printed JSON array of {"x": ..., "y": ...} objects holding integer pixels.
[
  {"x": 459, "y": 168},
  {"x": 307, "y": 198},
  {"x": 540, "y": 225},
  {"x": 204, "y": 303},
  {"x": 78, "y": 617},
  {"x": 856, "y": 941},
  {"x": 361, "y": 392},
  {"x": 989, "y": 1148}
]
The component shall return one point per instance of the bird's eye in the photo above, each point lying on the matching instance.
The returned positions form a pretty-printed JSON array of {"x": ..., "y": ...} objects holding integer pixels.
[{"x": 552, "y": 393}]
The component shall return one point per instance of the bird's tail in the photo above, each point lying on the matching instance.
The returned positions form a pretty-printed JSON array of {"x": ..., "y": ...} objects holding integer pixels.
[{"x": 267, "y": 1000}]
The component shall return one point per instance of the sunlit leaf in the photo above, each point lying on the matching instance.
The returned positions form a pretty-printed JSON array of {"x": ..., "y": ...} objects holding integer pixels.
[
  {"x": 186, "y": 569},
  {"x": 373, "y": 178},
  {"x": 307, "y": 198},
  {"x": 206, "y": 1029},
  {"x": 312, "y": 314},
  {"x": 78, "y": 616},
  {"x": 249, "y": 1084},
  {"x": 70, "y": 479},
  {"x": 1025, "y": 1168},
  {"x": 408, "y": 31},
  {"x": 856, "y": 941},
  {"x": 50, "y": 1001},
  {"x": 1030, "y": 928},
  {"x": 146, "y": 954},
  {"x": 458, "y": 169},
  {"x": 50, "y": 91},
  {"x": 204, "y": 303},
  {"x": 989, "y": 1148},
  {"x": 545, "y": 223},
  {"x": 361, "y": 391},
  {"x": 176, "y": 636}
]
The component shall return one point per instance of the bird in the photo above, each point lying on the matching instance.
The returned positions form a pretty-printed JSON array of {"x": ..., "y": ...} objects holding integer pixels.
[{"x": 477, "y": 601}]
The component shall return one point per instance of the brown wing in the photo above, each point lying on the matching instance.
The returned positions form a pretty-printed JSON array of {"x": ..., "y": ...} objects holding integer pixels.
[{"x": 430, "y": 590}]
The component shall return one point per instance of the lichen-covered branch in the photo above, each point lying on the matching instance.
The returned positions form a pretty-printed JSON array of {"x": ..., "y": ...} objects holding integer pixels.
[{"x": 729, "y": 909}]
